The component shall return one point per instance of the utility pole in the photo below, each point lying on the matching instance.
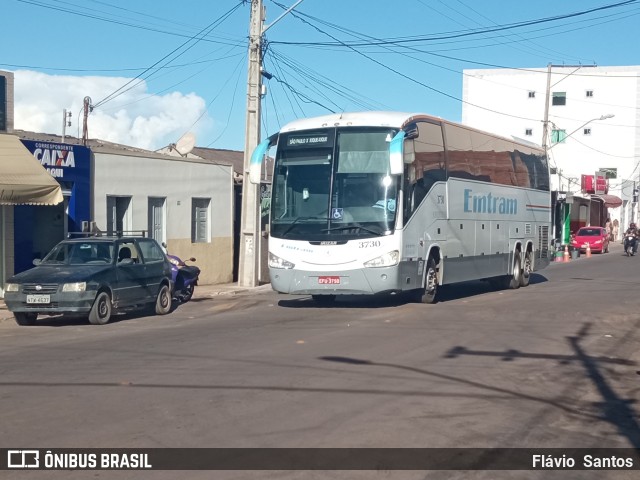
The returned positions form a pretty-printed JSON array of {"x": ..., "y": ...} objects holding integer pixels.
[
  {"x": 66, "y": 122},
  {"x": 545, "y": 125},
  {"x": 545, "y": 128},
  {"x": 250, "y": 218},
  {"x": 565, "y": 209},
  {"x": 250, "y": 221},
  {"x": 85, "y": 131}
]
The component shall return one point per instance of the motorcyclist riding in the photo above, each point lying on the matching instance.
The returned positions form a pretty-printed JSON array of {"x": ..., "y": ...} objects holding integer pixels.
[{"x": 633, "y": 232}]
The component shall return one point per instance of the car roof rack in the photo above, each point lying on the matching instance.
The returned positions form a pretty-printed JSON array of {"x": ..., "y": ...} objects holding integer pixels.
[
  {"x": 130, "y": 233},
  {"x": 83, "y": 234},
  {"x": 117, "y": 233}
]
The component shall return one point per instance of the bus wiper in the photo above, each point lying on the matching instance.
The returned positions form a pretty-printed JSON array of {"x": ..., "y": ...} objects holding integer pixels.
[
  {"x": 353, "y": 225},
  {"x": 299, "y": 219}
]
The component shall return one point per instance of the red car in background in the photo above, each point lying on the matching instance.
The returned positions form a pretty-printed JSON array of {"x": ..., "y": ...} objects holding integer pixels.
[{"x": 595, "y": 237}]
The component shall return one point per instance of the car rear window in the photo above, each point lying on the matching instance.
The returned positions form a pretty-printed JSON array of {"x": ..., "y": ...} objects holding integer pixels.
[
  {"x": 589, "y": 232},
  {"x": 151, "y": 252},
  {"x": 80, "y": 253}
]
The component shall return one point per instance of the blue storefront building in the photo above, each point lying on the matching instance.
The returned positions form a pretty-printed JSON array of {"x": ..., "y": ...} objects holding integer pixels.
[{"x": 38, "y": 228}]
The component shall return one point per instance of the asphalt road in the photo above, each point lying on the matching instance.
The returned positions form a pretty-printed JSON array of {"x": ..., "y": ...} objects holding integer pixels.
[{"x": 556, "y": 364}]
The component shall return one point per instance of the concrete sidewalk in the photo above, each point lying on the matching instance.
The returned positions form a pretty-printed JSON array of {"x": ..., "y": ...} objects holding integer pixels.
[{"x": 201, "y": 291}]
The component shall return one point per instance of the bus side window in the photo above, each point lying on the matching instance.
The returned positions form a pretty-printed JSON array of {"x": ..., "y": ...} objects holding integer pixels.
[{"x": 427, "y": 166}]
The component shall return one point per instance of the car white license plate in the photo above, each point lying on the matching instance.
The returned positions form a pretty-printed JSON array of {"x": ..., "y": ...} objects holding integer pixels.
[
  {"x": 329, "y": 280},
  {"x": 38, "y": 299}
]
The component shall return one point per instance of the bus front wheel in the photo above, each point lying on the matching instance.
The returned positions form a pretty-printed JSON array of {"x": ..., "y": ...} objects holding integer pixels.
[{"x": 429, "y": 294}]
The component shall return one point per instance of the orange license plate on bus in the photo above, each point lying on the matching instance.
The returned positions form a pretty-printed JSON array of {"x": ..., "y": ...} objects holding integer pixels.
[{"x": 329, "y": 280}]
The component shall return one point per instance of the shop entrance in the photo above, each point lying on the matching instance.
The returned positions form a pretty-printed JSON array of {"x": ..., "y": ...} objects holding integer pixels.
[{"x": 37, "y": 230}]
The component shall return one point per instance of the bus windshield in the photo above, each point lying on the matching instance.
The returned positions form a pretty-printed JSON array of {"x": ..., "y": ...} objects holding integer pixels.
[{"x": 333, "y": 184}]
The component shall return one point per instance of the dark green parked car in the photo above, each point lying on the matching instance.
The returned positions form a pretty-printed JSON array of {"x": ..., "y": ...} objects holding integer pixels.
[{"x": 92, "y": 276}]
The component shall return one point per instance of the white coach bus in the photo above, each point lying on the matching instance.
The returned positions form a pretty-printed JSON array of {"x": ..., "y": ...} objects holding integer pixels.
[{"x": 389, "y": 202}]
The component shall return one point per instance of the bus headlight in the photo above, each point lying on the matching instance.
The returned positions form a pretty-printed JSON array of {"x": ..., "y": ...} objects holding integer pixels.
[
  {"x": 277, "y": 262},
  {"x": 389, "y": 259},
  {"x": 74, "y": 287}
]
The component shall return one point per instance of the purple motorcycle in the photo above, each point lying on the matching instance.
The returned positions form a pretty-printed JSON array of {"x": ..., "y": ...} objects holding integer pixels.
[{"x": 185, "y": 278}]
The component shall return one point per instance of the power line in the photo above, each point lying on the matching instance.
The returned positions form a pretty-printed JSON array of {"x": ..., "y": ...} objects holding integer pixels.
[
  {"x": 170, "y": 87},
  {"x": 311, "y": 78},
  {"x": 233, "y": 101},
  {"x": 436, "y": 65},
  {"x": 427, "y": 52},
  {"x": 110, "y": 70},
  {"x": 407, "y": 77},
  {"x": 126, "y": 23},
  {"x": 460, "y": 34},
  {"x": 195, "y": 39},
  {"x": 539, "y": 48},
  {"x": 236, "y": 69}
]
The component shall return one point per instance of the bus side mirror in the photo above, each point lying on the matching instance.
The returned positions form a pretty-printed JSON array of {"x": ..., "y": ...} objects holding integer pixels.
[
  {"x": 255, "y": 167},
  {"x": 396, "y": 164}
]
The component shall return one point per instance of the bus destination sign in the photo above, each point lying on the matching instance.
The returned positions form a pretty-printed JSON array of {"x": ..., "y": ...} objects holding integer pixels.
[{"x": 307, "y": 140}]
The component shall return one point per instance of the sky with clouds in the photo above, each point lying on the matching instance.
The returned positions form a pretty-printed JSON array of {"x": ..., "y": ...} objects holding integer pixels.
[
  {"x": 140, "y": 119},
  {"x": 157, "y": 69}
]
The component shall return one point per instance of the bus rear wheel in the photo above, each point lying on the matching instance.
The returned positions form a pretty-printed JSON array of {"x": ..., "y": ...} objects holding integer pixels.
[
  {"x": 527, "y": 269},
  {"x": 513, "y": 280},
  {"x": 509, "y": 281}
]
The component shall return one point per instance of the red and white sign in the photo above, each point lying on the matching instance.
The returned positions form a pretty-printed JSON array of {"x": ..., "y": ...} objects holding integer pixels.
[
  {"x": 596, "y": 184},
  {"x": 601, "y": 184}
]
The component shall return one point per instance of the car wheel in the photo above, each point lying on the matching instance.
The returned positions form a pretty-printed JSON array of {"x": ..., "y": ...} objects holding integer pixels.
[
  {"x": 163, "y": 300},
  {"x": 25, "y": 319},
  {"x": 527, "y": 269},
  {"x": 100, "y": 313}
]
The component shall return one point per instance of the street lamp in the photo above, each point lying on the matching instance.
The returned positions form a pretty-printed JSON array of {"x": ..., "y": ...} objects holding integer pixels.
[{"x": 602, "y": 117}]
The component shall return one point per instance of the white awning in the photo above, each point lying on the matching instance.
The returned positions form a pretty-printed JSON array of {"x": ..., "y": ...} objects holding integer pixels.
[{"x": 23, "y": 180}]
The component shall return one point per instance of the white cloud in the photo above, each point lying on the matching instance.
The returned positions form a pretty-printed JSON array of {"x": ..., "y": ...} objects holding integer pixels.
[{"x": 133, "y": 118}]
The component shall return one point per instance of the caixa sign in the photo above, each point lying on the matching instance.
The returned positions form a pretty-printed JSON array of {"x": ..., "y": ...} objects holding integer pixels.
[
  {"x": 596, "y": 184},
  {"x": 55, "y": 158},
  {"x": 63, "y": 161}
]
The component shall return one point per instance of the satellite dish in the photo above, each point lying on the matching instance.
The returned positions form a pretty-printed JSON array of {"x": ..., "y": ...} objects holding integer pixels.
[{"x": 186, "y": 143}]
